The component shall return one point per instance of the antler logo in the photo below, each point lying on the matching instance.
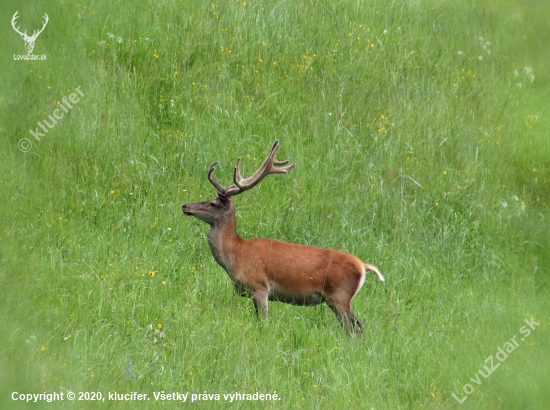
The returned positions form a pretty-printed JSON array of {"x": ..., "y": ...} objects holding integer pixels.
[{"x": 29, "y": 41}]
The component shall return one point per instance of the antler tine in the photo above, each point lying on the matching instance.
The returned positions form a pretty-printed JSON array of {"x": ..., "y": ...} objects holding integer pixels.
[
  {"x": 217, "y": 185},
  {"x": 281, "y": 162}
]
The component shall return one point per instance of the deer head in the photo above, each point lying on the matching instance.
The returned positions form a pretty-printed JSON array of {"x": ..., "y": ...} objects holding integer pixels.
[
  {"x": 215, "y": 209},
  {"x": 29, "y": 41}
]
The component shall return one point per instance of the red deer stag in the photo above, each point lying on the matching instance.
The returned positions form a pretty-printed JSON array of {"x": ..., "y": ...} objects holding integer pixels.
[{"x": 266, "y": 269}]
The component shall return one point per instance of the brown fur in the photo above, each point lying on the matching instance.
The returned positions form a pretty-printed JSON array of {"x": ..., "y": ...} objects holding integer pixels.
[{"x": 266, "y": 269}]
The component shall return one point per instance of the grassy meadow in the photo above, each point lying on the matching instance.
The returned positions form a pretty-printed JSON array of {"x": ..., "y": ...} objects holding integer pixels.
[{"x": 420, "y": 131}]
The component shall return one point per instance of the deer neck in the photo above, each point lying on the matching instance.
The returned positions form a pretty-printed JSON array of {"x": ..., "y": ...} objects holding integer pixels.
[{"x": 224, "y": 240}]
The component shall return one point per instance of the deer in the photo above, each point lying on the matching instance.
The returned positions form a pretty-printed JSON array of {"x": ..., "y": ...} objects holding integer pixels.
[
  {"x": 29, "y": 41},
  {"x": 267, "y": 269}
]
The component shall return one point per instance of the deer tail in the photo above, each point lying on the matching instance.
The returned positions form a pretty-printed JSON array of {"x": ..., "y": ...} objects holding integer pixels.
[{"x": 375, "y": 270}]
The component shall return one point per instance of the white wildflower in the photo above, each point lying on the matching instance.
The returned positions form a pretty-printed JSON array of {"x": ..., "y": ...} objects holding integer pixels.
[
  {"x": 31, "y": 340},
  {"x": 119, "y": 40},
  {"x": 529, "y": 74}
]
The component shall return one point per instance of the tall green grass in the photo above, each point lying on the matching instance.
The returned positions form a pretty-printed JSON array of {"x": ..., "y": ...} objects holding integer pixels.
[{"x": 420, "y": 130}]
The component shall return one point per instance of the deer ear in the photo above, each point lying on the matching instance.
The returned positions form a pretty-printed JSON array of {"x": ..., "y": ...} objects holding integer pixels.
[{"x": 224, "y": 200}]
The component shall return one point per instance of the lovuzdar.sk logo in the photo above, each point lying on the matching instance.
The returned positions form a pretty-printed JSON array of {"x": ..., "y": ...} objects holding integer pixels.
[{"x": 29, "y": 40}]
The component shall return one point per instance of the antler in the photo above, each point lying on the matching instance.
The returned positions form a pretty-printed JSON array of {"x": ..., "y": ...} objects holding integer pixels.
[
  {"x": 15, "y": 16},
  {"x": 36, "y": 33},
  {"x": 242, "y": 184}
]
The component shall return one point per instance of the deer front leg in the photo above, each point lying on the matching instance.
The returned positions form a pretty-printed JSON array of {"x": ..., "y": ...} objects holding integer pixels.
[{"x": 260, "y": 298}]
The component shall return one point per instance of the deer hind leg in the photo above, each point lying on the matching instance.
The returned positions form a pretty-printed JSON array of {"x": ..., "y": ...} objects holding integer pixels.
[{"x": 342, "y": 310}]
